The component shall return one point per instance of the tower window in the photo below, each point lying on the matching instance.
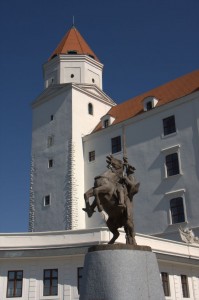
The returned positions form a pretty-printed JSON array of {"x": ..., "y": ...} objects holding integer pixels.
[
  {"x": 15, "y": 281},
  {"x": 92, "y": 56},
  {"x": 169, "y": 125},
  {"x": 50, "y": 141},
  {"x": 72, "y": 52},
  {"x": 90, "y": 109},
  {"x": 185, "y": 287},
  {"x": 165, "y": 283},
  {"x": 47, "y": 200},
  {"x": 91, "y": 155},
  {"x": 93, "y": 80},
  {"x": 116, "y": 144},
  {"x": 72, "y": 76},
  {"x": 177, "y": 210},
  {"x": 51, "y": 117},
  {"x": 50, "y": 282},
  {"x": 172, "y": 164},
  {"x": 50, "y": 163}
]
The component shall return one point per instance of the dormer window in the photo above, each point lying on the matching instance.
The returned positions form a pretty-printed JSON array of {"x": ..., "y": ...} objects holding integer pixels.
[
  {"x": 107, "y": 120},
  {"x": 149, "y": 103},
  {"x": 106, "y": 123}
]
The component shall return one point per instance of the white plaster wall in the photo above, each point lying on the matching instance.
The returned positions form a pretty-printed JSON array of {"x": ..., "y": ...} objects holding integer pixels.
[
  {"x": 145, "y": 142},
  {"x": 87, "y": 70},
  {"x": 54, "y": 180},
  {"x": 84, "y": 69},
  {"x": 82, "y": 124},
  {"x": 33, "y": 276},
  {"x": 173, "y": 257},
  {"x": 51, "y": 70},
  {"x": 67, "y": 276},
  {"x": 64, "y": 182},
  {"x": 175, "y": 270}
]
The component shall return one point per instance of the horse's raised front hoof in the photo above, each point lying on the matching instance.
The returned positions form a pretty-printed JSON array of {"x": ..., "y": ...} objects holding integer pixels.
[
  {"x": 100, "y": 208},
  {"x": 89, "y": 211}
]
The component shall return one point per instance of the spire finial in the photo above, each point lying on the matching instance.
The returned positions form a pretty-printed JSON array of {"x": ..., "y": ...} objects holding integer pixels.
[{"x": 73, "y": 21}]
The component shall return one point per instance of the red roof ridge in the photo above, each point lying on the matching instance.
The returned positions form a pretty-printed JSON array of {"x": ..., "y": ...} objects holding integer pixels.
[{"x": 165, "y": 93}]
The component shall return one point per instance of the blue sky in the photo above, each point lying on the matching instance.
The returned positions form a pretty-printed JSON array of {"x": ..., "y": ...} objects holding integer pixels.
[{"x": 142, "y": 44}]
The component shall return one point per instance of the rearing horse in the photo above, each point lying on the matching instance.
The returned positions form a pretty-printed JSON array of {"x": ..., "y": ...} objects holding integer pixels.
[{"x": 108, "y": 190}]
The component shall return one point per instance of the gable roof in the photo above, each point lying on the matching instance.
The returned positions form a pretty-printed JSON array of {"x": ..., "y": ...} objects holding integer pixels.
[
  {"x": 166, "y": 93},
  {"x": 73, "y": 41}
]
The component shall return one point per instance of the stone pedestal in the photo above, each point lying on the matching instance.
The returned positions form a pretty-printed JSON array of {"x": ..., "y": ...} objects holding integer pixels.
[{"x": 121, "y": 272}]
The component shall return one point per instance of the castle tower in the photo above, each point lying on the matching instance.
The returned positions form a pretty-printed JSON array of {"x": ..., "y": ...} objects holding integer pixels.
[{"x": 70, "y": 107}]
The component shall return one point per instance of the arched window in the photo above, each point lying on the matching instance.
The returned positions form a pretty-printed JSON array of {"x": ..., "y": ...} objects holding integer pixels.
[
  {"x": 90, "y": 109},
  {"x": 177, "y": 210}
]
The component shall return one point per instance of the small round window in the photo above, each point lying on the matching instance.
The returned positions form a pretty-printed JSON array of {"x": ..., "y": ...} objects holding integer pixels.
[{"x": 72, "y": 75}]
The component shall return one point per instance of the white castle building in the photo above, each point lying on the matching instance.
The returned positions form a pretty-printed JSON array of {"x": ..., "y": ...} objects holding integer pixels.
[{"x": 75, "y": 126}]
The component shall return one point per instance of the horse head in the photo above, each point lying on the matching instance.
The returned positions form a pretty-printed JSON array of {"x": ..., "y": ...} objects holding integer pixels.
[{"x": 117, "y": 164}]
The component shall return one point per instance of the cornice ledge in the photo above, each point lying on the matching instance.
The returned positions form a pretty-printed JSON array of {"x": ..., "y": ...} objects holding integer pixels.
[
  {"x": 104, "y": 98},
  {"x": 49, "y": 92}
]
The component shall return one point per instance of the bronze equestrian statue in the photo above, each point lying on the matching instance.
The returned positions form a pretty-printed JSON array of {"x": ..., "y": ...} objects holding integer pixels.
[{"x": 113, "y": 191}]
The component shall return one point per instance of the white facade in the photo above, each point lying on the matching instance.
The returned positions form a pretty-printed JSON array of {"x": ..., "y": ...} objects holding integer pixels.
[
  {"x": 147, "y": 147},
  {"x": 72, "y": 68},
  {"x": 33, "y": 253},
  {"x": 60, "y": 119},
  {"x": 65, "y": 116}
]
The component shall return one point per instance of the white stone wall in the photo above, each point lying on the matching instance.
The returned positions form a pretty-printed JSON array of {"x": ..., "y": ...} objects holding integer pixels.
[
  {"x": 82, "y": 124},
  {"x": 64, "y": 182},
  {"x": 33, "y": 276},
  {"x": 51, "y": 181},
  {"x": 67, "y": 277},
  {"x": 34, "y": 252},
  {"x": 146, "y": 150},
  {"x": 175, "y": 270},
  {"x": 82, "y": 68}
]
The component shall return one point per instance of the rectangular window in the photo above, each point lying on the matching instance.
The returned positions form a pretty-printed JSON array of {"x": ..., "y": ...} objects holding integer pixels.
[
  {"x": 50, "y": 163},
  {"x": 51, "y": 117},
  {"x": 50, "y": 282},
  {"x": 169, "y": 125},
  {"x": 185, "y": 288},
  {"x": 47, "y": 200},
  {"x": 91, "y": 156},
  {"x": 79, "y": 278},
  {"x": 149, "y": 105},
  {"x": 177, "y": 210},
  {"x": 15, "y": 281},
  {"x": 50, "y": 141},
  {"x": 172, "y": 164},
  {"x": 165, "y": 283},
  {"x": 106, "y": 123},
  {"x": 116, "y": 144}
]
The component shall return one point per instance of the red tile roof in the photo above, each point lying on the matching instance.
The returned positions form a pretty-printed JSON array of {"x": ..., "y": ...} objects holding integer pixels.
[
  {"x": 73, "y": 41},
  {"x": 166, "y": 93}
]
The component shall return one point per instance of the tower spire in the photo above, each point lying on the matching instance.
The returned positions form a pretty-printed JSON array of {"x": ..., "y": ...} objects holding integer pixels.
[{"x": 73, "y": 41}]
